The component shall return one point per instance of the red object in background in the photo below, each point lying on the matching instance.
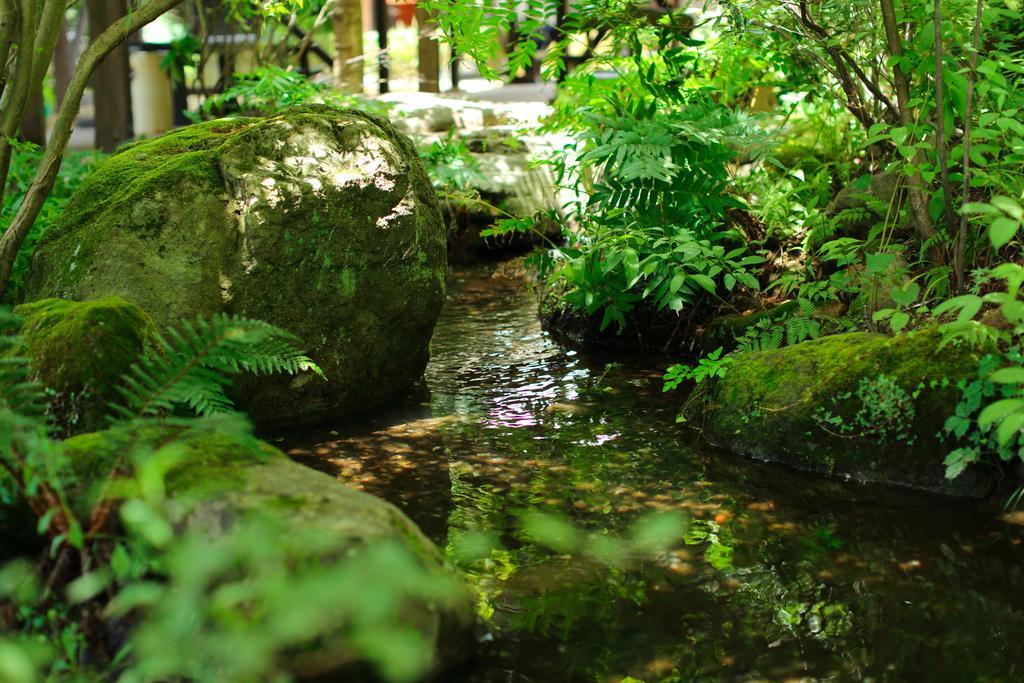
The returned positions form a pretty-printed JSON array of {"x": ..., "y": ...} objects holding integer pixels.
[{"x": 405, "y": 11}]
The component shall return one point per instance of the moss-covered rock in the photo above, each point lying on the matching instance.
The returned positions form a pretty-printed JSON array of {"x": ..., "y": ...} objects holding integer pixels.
[
  {"x": 864, "y": 406},
  {"x": 723, "y": 330},
  {"x": 222, "y": 479},
  {"x": 78, "y": 351},
  {"x": 317, "y": 220}
]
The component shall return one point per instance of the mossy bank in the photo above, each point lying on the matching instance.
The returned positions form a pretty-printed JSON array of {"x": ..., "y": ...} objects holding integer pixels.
[{"x": 863, "y": 406}]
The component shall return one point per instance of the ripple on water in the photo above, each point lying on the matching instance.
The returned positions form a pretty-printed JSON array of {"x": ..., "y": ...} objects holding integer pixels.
[{"x": 780, "y": 576}]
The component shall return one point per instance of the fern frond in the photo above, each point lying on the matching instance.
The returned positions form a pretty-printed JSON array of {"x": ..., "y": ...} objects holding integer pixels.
[
  {"x": 191, "y": 365},
  {"x": 18, "y": 391}
]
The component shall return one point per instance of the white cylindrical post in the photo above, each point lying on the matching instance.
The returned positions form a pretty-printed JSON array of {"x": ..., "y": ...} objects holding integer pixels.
[{"x": 152, "y": 108}]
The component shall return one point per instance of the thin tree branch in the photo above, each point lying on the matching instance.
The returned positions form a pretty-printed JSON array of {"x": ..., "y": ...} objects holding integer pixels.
[
  {"x": 15, "y": 97},
  {"x": 840, "y": 71},
  {"x": 46, "y": 175},
  {"x": 873, "y": 88},
  {"x": 915, "y": 186},
  {"x": 940, "y": 122},
  {"x": 8, "y": 28},
  {"x": 960, "y": 248}
]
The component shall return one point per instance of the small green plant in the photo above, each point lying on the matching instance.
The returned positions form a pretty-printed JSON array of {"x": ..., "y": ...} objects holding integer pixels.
[
  {"x": 709, "y": 367},
  {"x": 717, "y": 543},
  {"x": 450, "y": 164},
  {"x": 1007, "y": 301},
  {"x": 965, "y": 427},
  {"x": 269, "y": 89},
  {"x": 1005, "y": 217},
  {"x": 182, "y": 53},
  {"x": 769, "y": 334},
  {"x": 191, "y": 365},
  {"x": 25, "y": 161},
  {"x": 885, "y": 411},
  {"x": 904, "y": 297}
]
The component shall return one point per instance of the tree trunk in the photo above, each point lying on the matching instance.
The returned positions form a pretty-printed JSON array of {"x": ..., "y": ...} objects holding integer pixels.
[
  {"x": 915, "y": 186},
  {"x": 33, "y": 122},
  {"x": 64, "y": 59},
  {"x": 347, "y": 22},
  {"x": 111, "y": 87},
  {"x": 429, "y": 64},
  {"x": 46, "y": 174}
]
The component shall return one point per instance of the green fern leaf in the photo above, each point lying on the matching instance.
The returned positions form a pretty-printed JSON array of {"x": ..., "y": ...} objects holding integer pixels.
[{"x": 192, "y": 365}]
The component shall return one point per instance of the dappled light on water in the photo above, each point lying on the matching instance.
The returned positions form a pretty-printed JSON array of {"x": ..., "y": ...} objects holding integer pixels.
[{"x": 775, "y": 575}]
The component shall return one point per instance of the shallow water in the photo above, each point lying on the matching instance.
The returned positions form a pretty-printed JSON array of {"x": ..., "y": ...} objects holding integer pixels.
[{"x": 779, "y": 577}]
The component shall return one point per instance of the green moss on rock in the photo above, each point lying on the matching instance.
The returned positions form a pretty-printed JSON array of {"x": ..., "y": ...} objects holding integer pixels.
[
  {"x": 317, "y": 220},
  {"x": 223, "y": 478},
  {"x": 808, "y": 406},
  {"x": 79, "y": 350},
  {"x": 723, "y": 331}
]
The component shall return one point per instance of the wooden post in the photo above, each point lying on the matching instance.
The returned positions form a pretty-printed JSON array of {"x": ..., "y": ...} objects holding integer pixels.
[
  {"x": 380, "y": 18},
  {"x": 429, "y": 53},
  {"x": 111, "y": 90},
  {"x": 347, "y": 23}
]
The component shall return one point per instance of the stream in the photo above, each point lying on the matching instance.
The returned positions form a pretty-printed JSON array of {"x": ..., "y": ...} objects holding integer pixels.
[{"x": 779, "y": 576}]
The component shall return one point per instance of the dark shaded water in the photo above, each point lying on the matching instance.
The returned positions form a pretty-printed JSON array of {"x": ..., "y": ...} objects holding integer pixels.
[{"x": 780, "y": 577}]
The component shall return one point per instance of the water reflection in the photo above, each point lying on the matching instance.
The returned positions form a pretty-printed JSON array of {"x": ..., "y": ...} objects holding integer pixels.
[{"x": 778, "y": 577}]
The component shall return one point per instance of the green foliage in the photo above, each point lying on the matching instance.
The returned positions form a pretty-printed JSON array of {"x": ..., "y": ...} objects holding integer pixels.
[
  {"x": 885, "y": 411},
  {"x": 74, "y": 168},
  {"x": 183, "y": 52},
  {"x": 977, "y": 439},
  {"x": 551, "y": 543},
  {"x": 903, "y": 297},
  {"x": 709, "y": 367},
  {"x": 455, "y": 174},
  {"x": 269, "y": 89},
  {"x": 1009, "y": 303},
  {"x": 1005, "y": 217},
  {"x": 17, "y": 390},
  {"x": 191, "y": 366},
  {"x": 651, "y": 228},
  {"x": 717, "y": 543},
  {"x": 792, "y": 327},
  {"x": 244, "y": 604},
  {"x": 451, "y": 166}
]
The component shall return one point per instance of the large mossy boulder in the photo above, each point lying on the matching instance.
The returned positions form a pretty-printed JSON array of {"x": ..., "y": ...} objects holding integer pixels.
[
  {"x": 79, "y": 351},
  {"x": 863, "y": 406},
  {"x": 222, "y": 480},
  {"x": 317, "y": 220}
]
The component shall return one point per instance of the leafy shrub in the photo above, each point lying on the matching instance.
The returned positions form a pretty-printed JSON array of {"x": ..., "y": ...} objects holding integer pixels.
[
  {"x": 26, "y": 159},
  {"x": 269, "y": 89}
]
